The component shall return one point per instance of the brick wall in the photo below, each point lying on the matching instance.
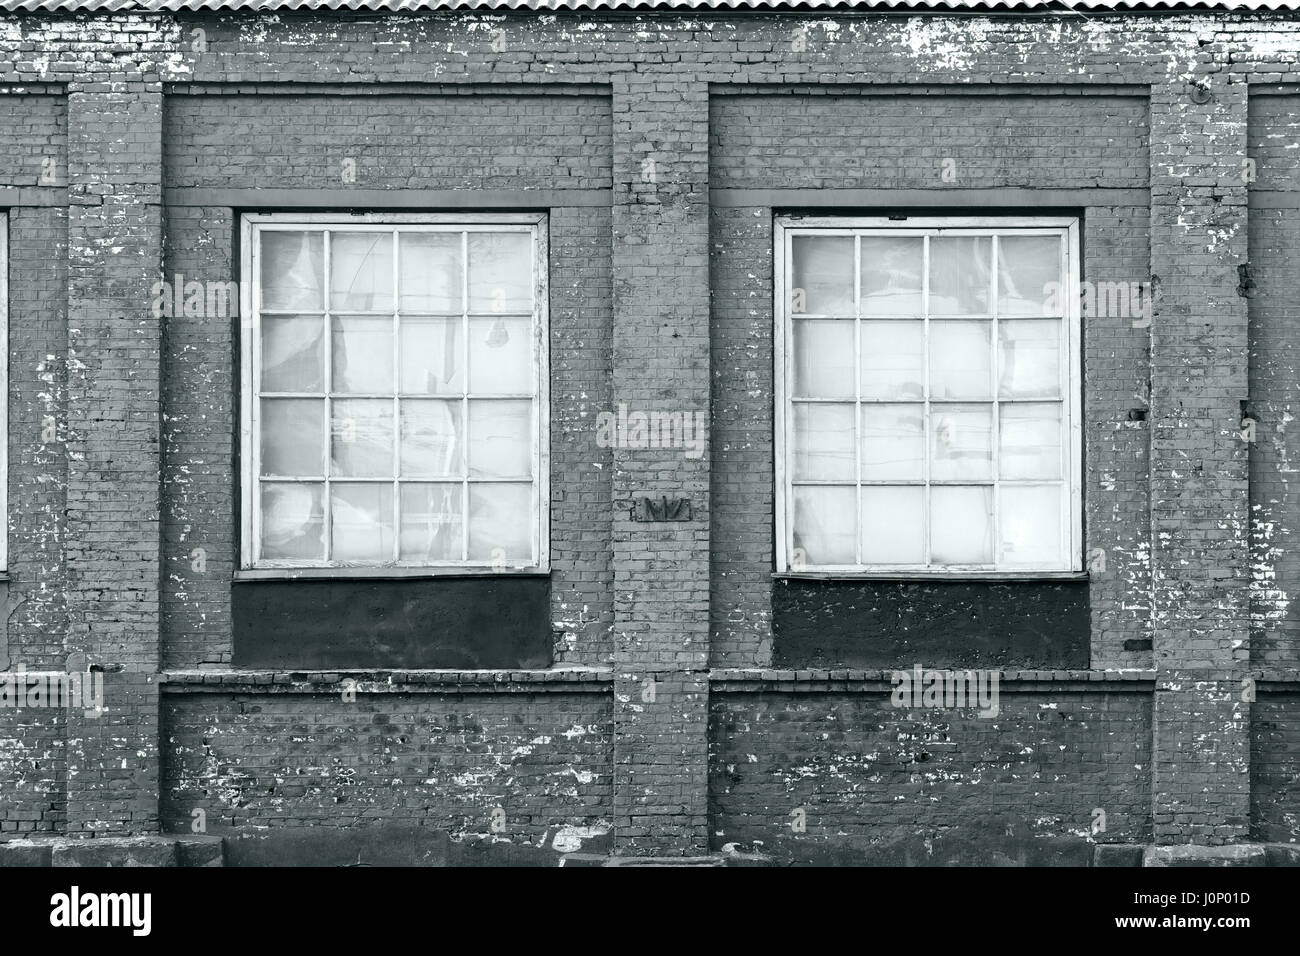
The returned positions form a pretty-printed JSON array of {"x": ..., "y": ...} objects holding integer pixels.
[
  {"x": 1275, "y": 765},
  {"x": 832, "y": 138},
  {"x": 1274, "y": 125},
  {"x": 660, "y": 145},
  {"x": 1035, "y": 138},
  {"x": 476, "y": 138},
  {"x": 847, "y": 778},
  {"x": 33, "y": 768},
  {"x": 443, "y": 760},
  {"x": 459, "y": 141}
]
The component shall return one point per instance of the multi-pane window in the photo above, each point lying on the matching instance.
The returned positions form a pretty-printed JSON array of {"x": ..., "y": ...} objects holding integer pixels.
[
  {"x": 394, "y": 410},
  {"x": 929, "y": 396}
]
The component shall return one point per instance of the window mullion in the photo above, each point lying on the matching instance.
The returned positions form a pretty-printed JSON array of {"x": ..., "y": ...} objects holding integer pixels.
[
  {"x": 396, "y": 552},
  {"x": 995, "y": 438},
  {"x": 464, "y": 391},
  {"x": 328, "y": 322},
  {"x": 858, "y": 436},
  {"x": 925, "y": 398},
  {"x": 1065, "y": 344}
]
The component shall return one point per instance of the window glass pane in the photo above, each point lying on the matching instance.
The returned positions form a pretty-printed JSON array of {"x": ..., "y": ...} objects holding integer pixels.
[
  {"x": 893, "y": 357},
  {"x": 293, "y": 436},
  {"x": 431, "y": 356},
  {"x": 500, "y": 522},
  {"x": 292, "y": 267},
  {"x": 1026, "y": 267},
  {"x": 1030, "y": 519},
  {"x": 361, "y": 520},
  {"x": 361, "y": 433},
  {"x": 500, "y": 272},
  {"x": 431, "y": 522},
  {"x": 361, "y": 271},
  {"x": 823, "y": 358},
  {"x": 432, "y": 271},
  {"x": 823, "y": 443},
  {"x": 432, "y": 439},
  {"x": 363, "y": 355},
  {"x": 293, "y": 522},
  {"x": 891, "y": 275},
  {"x": 893, "y": 442},
  {"x": 293, "y": 353},
  {"x": 962, "y": 441},
  {"x": 893, "y": 525},
  {"x": 822, "y": 272},
  {"x": 960, "y": 360},
  {"x": 825, "y": 520},
  {"x": 959, "y": 274},
  {"x": 501, "y": 356},
  {"x": 1029, "y": 358},
  {"x": 961, "y": 524},
  {"x": 1029, "y": 440},
  {"x": 500, "y": 440}
]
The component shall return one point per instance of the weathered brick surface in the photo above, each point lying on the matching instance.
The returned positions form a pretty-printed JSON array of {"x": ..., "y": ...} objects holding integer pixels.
[
  {"x": 661, "y": 362},
  {"x": 442, "y": 760},
  {"x": 38, "y": 464},
  {"x": 662, "y": 301},
  {"x": 452, "y": 141},
  {"x": 1274, "y": 127},
  {"x": 1275, "y": 766},
  {"x": 921, "y": 786},
  {"x": 831, "y": 138},
  {"x": 33, "y": 772},
  {"x": 1198, "y": 461},
  {"x": 478, "y": 139},
  {"x": 35, "y": 124}
]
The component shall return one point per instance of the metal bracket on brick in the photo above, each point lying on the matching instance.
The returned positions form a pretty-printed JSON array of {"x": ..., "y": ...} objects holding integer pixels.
[{"x": 662, "y": 509}]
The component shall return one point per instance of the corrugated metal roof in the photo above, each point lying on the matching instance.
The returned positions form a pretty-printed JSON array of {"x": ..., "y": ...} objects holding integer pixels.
[{"x": 398, "y": 6}]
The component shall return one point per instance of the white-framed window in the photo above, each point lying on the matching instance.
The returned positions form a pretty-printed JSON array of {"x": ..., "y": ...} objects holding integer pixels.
[
  {"x": 394, "y": 393},
  {"x": 928, "y": 396}
]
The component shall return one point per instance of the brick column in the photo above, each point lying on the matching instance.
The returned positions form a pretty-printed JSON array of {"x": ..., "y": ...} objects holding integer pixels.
[
  {"x": 661, "y": 567},
  {"x": 1199, "y": 482},
  {"x": 114, "y": 362}
]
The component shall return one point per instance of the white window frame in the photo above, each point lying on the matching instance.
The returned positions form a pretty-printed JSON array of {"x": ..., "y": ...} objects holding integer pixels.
[
  {"x": 252, "y": 224},
  {"x": 785, "y": 228}
]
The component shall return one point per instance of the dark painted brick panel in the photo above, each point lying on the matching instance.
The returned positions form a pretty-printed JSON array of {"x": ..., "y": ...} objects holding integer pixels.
[{"x": 946, "y": 624}]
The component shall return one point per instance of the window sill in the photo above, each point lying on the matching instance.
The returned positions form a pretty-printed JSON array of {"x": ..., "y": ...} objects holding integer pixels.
[
  {"x": 953, "y": 576},
  {"x": 382, "y": 574}
]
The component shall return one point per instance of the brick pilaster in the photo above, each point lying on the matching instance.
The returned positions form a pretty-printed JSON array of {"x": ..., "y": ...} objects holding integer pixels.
[
  {"x": 1199, "y": 482},
  {"x": 114, "y": 257}
]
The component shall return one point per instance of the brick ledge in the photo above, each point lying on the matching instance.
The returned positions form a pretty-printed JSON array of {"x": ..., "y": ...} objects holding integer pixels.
[{"x": 387, "y": 681}]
